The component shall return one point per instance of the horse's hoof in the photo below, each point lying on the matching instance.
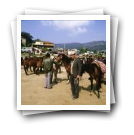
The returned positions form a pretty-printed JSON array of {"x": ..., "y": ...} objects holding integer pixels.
[
  {"x": 100, "y": 90},
  {"x": 68, "y": 82}
]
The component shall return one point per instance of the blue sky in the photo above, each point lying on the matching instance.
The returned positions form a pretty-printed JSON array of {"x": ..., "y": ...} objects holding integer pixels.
[{"x": 66, "y": 31}]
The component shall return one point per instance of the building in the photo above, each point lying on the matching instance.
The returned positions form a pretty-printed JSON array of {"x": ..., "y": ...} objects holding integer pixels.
[
  {"x": 43, "y": 44},
  {"x": 76, "y": 51}
]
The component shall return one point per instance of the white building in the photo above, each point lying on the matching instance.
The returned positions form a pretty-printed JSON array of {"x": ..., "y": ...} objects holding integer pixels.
[
  {"x": 43, "y": 44},
  {"x": 38, "y": 43},
  {"x": 74, "y": 51}
]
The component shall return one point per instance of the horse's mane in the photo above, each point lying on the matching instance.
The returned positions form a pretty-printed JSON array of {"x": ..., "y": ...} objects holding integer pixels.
[{"x": 65, "y": 58}]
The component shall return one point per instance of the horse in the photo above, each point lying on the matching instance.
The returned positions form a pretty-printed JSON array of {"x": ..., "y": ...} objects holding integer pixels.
[
  {"x": 35, "y": 62},
  {"x": 66, "y": 61},
  {"x": 93, "y": 69}
]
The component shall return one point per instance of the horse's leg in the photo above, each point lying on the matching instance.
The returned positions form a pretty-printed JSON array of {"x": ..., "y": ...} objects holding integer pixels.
[
  {"x": 56, "y": 72},
  {"x": 55, "y": 75},
  {"x": 91, "y": 80},
  {"x": 41, "y": 68},
  {"x": 51, "y": 78},
  {"x": 68, "y": 75},
  {"x": 34, "y": 69},
  {"x": 37, "y": 70},
  {"x": 59, "y": 69},
  {"x": 98, "y": 86},
  {"x": 25, "y": 69},
  {"x": 30, "y": 68}
]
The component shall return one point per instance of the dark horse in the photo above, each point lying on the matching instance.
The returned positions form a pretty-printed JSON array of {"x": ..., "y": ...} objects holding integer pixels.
[
  {"x": 94, "y": 70},
  {"x": 66, "y": 61}
]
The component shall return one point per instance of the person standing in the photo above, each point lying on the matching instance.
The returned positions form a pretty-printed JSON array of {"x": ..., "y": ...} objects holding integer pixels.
[
  {"x": 33, "y": 51},
  {"x": 48, "y": 70},
  {"x": 75, "y": 76},
  {"x": 48, "y": 65}
]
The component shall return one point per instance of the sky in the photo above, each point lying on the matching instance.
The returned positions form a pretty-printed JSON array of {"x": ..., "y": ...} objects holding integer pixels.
[{"x": 58, "y": 31}]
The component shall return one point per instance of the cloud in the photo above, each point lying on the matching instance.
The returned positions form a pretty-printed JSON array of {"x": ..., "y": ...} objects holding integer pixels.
[
  {"x": 73, "y": 27},
  {"x": 46, "y": 22},
  {"x": 79, "y": 30}
]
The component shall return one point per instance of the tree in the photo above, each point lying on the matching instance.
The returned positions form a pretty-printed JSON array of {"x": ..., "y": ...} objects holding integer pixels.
[
  {"x": 45, "y": 49},
  {"x": 28, "y": 38},
  {"x": 36, "y": 40},
  {"x": 22, "y": 45},
  {"x": 83, "y": 50},
  {"x": 94, "y": 51}
]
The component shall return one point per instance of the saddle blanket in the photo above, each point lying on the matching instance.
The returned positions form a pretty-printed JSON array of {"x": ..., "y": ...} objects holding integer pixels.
[{"x": 101, "y": 65}]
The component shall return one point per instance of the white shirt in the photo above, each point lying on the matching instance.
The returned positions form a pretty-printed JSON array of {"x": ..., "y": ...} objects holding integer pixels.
[{"x": 72, "y": 66}]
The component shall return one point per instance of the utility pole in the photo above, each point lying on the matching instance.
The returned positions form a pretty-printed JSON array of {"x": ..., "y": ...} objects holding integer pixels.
[{"x": 64, "y": 47}]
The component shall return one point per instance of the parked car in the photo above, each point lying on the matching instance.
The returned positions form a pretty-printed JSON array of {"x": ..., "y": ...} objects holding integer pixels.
[{"x": 26, "y": 49}]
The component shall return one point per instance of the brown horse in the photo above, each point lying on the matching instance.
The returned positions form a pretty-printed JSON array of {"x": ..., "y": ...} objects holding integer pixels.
[
  {"x": 35, "y": 62},
  {"x": 94, "y": 70},
  {"x": 66, "y": 61}
]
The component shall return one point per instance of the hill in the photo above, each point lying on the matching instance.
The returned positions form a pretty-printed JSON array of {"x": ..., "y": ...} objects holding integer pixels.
[{"x": 95, "y": 45}]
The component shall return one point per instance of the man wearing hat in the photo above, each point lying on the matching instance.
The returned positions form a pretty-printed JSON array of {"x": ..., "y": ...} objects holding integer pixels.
[{"x": 75, "y": 76}]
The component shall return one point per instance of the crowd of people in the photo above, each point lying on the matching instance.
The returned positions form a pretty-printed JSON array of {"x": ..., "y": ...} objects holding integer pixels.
[{"x": 52, "y": 65}]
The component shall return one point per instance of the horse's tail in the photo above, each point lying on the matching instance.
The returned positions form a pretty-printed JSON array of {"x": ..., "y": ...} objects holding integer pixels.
[{"x": 25, "y": 69}]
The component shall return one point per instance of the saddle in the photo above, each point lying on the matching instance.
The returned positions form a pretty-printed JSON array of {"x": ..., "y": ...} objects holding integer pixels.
[{"x": 101, "y": 65}]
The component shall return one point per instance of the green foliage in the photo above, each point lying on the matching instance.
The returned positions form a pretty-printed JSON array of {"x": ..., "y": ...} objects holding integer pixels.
[
  {"x": 22, "y": 45},
  {"x": 28, "y": 38},
  {"x": 45, "y": 49},
  {"x": 36, "y": 40},
  {"x": 83, "y": 50},
  {"x": 29, "y": 45},
  {"x": 95, "y": 51}
]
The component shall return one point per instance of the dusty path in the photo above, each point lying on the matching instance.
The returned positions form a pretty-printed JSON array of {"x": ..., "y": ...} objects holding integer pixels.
[{"x": 34, "y": 93}]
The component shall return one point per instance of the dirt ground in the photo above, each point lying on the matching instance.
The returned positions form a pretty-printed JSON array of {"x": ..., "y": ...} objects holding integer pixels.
[{"x": 34, "y": 93}]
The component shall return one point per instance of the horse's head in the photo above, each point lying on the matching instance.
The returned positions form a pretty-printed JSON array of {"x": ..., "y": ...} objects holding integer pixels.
[
  {"x": 89, "y": 60},
  {"x": 86, "y": 65},
  {"x": 59, "y": 58},
  {"x": 64, "y": 58}
]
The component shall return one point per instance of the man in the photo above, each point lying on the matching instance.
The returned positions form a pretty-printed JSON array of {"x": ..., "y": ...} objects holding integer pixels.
[
  {"x": 75, "y": 76},
  {"x": 56, "y": 66},
  {"x": 48, "y": 67},
  {"x": 48, "y": 64}
]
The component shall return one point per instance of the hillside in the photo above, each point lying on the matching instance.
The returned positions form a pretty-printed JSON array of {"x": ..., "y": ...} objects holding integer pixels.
[{"x": 95, "y": 45}]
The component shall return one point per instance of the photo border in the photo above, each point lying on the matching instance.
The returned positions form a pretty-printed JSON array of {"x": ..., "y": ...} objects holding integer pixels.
[{"x": 63, "y": 107}]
